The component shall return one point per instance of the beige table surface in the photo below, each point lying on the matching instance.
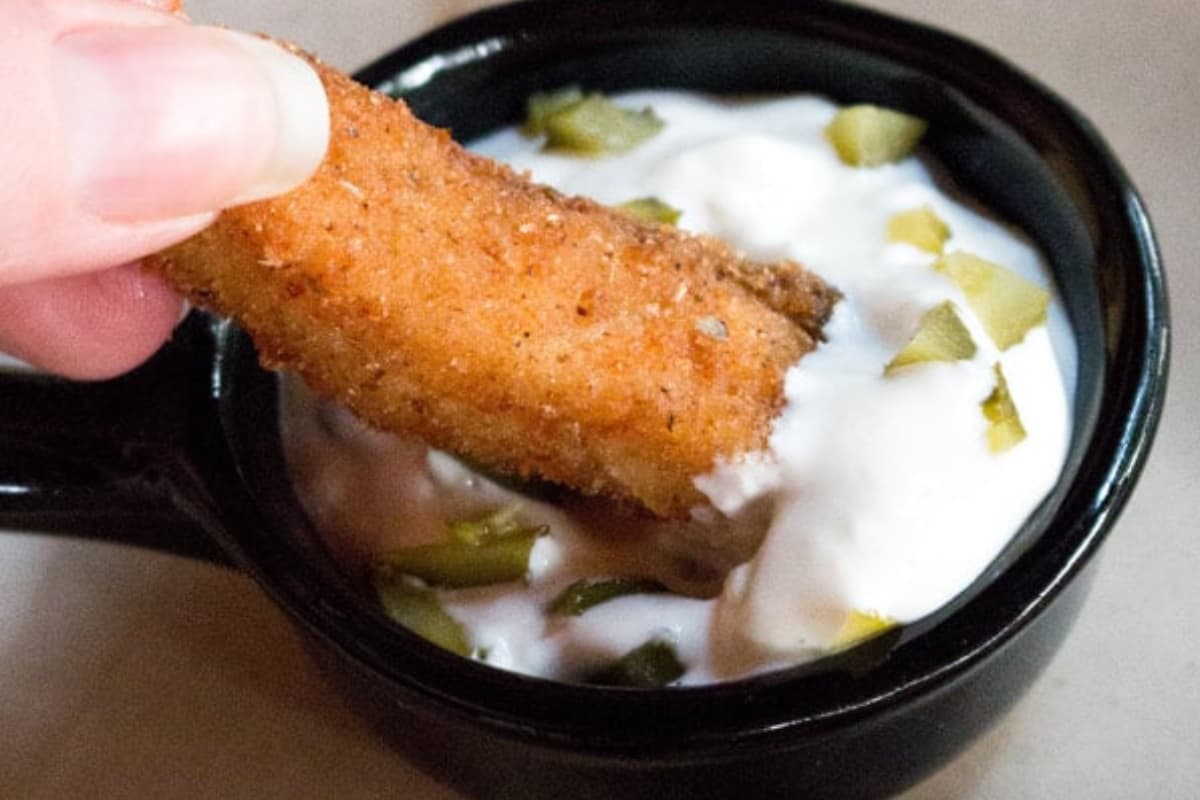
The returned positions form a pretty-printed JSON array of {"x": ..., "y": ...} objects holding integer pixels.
[{"x": 130, "y": 674}]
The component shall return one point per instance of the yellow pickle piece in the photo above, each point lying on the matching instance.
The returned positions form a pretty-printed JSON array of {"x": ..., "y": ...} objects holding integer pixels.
[
  {"x": 1005, "y": 430},
  {"x": 870, "y": 136},
  {"x": 651, "y": 209},
  {"x": 921, "y": 228},
  {"x": 860, "y": 626},
  {"x": 941, "y": 336},
  {"x": 1008, "y": 305}
]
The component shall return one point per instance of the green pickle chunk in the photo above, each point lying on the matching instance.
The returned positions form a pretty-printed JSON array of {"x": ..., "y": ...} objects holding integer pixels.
[
  {"x": 651, "y": 209},
  {"x": 492, "y": 526},
  {"x": 417, "y": 608},
  {"x": 1005, "y": 430},
  {"x": 490, "y": 548},
  {"x": 870, "y": 136},
  {"x": 586, "y": 594},
  {"x": 458, "y": 565},
  {"x": 921, "y": 228},
  {"x": 590, "y": 125},
  {"x": 1008, "y": 305},
  {"x": 487, "y": 549},
  {"x": 650, "y": 666},
  {"x": 940, "y": 336},
  {"x": 543, "y": 105}
]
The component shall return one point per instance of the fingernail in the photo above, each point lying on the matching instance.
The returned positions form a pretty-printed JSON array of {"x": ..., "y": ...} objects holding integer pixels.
[
  {"x": 302, "y": 115},
  {"x": 165, "y": 121}
]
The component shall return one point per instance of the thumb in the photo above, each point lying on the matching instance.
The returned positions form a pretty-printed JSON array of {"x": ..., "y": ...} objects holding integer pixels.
[
  {"x": 138, "y": 132},
  {"x": 176, "y": 120}
]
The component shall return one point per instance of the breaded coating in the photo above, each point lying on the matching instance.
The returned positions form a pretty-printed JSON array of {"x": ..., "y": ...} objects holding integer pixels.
[{"x": 438, "y": 294}]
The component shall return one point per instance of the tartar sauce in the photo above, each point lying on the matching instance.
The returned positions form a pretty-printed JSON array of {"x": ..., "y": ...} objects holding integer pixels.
[{"x": 878, "y": 495}]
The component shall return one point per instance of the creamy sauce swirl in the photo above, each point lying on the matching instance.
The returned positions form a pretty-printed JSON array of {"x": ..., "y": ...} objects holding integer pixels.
[{"x": 878, "y": 495}]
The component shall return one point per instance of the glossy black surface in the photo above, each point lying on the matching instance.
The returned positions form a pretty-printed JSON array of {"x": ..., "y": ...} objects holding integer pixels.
[{"x": 193, "y": 436}]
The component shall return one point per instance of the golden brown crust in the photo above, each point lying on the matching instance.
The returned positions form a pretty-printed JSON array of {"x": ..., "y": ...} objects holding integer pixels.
[{"x": 436, "y": 293}]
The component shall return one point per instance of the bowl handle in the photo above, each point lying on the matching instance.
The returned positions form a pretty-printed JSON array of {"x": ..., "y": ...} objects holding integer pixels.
[{"x": 107, "y": 460}]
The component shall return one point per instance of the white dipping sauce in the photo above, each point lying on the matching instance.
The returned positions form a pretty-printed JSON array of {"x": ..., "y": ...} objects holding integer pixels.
[{"x": 882, "y": 493}]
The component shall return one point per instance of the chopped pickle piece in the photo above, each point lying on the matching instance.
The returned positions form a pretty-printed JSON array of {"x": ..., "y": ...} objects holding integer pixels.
[
  {"x": 940, "y": 336},
  {"x": 1008, "y": 305},
  {"x": 456, "y": 565},
  {"x": 499, "y": 524},
  {"x": 651, "y": 209},
  {"x": 860, "y": 626},
  {"x": 650, "y": 666},
  {"x": 417, "y": 608},
  {"x": 596, "y": 126},
  {"x": 587, "y": 593},
  {"x": 868, "y": 136},
  {"x": 1005, "y": 430},
  {"x": 921, "y": 228},
  {"x": 542, "y": 105}
]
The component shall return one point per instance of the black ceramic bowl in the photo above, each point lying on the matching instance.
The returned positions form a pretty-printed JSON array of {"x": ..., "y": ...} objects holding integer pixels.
[{"x": 189, "y": 444}]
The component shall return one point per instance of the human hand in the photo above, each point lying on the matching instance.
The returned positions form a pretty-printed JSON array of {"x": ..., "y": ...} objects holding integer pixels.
[{"x": 124, "y": 130}]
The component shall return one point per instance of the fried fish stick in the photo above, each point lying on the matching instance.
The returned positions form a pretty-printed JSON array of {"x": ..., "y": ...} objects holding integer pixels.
[{"x": 438, "y": 294}]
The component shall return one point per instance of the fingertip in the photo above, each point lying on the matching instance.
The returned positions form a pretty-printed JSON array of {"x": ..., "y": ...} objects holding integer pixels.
[{"x": 88, "y": 327}]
